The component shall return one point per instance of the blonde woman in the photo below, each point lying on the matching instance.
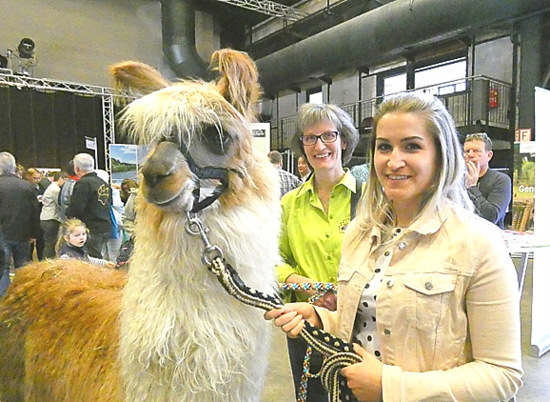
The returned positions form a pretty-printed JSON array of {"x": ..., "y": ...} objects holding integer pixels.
[{"x": 426, "y": 289}]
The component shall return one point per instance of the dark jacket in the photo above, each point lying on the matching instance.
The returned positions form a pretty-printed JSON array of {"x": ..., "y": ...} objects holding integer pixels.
[
  {"x": 70, "y": 251},
  {"x": 492, "y": 196},
  {"x": 91, "y": 203},
  {"x": 64, "y": 197},
  {"x": 19, "y": 209}
]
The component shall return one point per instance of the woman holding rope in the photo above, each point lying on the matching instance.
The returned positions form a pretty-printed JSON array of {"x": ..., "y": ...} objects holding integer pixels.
[
  {"x": 424, "y": 286},
  {"x": 315, "y": 216}
]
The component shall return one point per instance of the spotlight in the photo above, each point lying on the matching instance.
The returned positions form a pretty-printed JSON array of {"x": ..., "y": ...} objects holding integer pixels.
[{"x": 26, "y": 48}]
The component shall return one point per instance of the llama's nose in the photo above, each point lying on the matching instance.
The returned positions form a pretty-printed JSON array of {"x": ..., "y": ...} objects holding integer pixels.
[{"x": 161, "y": 164}]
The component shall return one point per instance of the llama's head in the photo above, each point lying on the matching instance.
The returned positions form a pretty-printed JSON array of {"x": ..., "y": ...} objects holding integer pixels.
[{"x": 199, "y": 130}]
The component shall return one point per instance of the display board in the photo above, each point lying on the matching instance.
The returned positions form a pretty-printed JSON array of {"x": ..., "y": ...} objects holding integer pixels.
[
  {"x": 126, "y": 159},
  {"x": 540, "y": 331},
  {"x": 262, "y": 136}
]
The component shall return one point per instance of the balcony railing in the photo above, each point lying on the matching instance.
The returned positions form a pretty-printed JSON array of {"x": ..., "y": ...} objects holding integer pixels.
[{"x": 471, "y": 101}]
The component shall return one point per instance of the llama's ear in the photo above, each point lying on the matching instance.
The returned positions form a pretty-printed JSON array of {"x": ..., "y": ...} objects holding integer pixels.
[
  {"x": 238, "y": 81},
  {"x": 136, "y": 78}
]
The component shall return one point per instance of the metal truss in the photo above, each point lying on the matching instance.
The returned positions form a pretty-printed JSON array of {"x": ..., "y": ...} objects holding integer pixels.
[
  {"x": 108, "y": 96},
  {"x": 269, "y": 8},
  {"x": 108, "y": 128},
  {"x": 42, "y": 84}
]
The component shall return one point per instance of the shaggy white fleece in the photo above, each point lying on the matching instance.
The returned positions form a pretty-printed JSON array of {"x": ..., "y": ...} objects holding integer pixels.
[{"x": 183, "y": 337}]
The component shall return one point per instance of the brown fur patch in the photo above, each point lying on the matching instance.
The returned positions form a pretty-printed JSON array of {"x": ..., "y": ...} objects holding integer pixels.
[
  {"x": 136, "y": 78},
  {"x": 57, "y": 316},
  {"x": 238, "y": 82}
]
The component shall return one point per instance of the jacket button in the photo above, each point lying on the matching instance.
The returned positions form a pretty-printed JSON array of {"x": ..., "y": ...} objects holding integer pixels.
[
  {"x": 390, "y": 283},
  {"x": 428, "y": 286}
]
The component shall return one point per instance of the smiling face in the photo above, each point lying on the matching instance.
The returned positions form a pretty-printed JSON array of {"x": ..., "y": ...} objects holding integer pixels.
[
  {"x": 77, "y": 237},
  {"x": 405, "y": 161},
  {"x": 323, "y": 157}
]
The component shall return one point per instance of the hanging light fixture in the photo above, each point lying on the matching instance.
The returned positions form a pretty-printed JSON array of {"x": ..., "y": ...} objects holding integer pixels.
[{"x": 26, "y": 48}]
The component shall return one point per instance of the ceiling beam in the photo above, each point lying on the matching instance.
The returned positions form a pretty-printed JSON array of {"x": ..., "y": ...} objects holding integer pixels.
[{"x": 269, "y": 8}]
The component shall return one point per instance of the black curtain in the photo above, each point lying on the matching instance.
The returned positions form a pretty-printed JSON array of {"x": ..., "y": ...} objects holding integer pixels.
[{"x": 46, "y": 129}]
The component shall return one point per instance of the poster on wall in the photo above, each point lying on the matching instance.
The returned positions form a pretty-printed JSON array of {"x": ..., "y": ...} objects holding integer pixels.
[
  {"x": 523, "y": 191},
  {"x": 126, "y": 160},
  {"x": 261, "y": 137}
]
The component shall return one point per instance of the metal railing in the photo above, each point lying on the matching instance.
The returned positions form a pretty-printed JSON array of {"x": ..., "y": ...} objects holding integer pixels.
[{"x": 470, "y": 101}]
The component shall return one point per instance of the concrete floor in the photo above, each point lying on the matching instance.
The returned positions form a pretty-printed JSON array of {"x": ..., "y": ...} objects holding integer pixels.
[{"x": 536, "y": 386}]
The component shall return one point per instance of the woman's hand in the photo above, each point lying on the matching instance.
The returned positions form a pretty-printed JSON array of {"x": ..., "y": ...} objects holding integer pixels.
[
  {"x": 290, "y": 318},
  {"x": 365, "y": 378},
  {"x": 328, "y": 301}
]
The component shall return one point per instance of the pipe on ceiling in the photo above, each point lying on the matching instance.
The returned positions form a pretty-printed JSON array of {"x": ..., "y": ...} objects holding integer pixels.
[
  {"x": 386, "y": 31},
  {"x": 178, "y": 40}
]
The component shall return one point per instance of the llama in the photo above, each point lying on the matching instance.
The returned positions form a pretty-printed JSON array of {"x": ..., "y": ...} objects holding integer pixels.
[{"x": 166, "y": 331}]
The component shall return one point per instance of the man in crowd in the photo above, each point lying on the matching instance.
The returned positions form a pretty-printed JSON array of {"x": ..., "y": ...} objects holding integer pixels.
[
  {"x": 91, "y": 203},
  {"x": 287, "y": 180},
  {"x": 303, "y": 168},
  {"x": 19, "y": 217},
  {"x": 50, "y": 216},
  {"x": 489, "y": 190}
]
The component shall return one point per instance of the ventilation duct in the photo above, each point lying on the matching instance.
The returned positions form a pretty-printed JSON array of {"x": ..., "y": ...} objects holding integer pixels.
[
  {"x": 387, "y": 31},
  {"x": 178, "y": 40}
]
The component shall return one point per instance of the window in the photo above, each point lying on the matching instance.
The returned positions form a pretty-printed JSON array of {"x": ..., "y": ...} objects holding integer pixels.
[
  {"x": 394, "y": 84},
  {"x": 452, "y": 73},
  {"x": 315, "y": 97},
  {"x": 440, "y": 79}
]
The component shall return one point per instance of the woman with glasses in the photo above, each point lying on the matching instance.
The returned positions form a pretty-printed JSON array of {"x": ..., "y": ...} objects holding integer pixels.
[
  {"x": 316, "y": 214},
  {"x": 426, "y": 287}
]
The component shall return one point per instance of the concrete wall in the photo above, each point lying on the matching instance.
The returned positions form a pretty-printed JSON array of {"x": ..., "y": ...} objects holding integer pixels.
[
  {"x": 76, "y": 40},
  {"x": 494, "y": 59}
]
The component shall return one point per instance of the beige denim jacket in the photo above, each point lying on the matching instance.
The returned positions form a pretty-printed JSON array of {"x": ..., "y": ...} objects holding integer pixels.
[{"x": 447, "y": 313}]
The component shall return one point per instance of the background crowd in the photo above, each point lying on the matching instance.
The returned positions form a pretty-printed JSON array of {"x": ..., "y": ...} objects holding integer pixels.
[{"x": 35, "y": 204}]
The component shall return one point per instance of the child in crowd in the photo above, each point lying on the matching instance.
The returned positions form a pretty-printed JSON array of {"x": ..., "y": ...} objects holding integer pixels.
[{"x": 72, "y": 242}]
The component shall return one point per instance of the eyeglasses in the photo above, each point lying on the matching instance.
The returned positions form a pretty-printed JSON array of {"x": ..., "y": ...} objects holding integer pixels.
[{"x": 326, "y": 138}]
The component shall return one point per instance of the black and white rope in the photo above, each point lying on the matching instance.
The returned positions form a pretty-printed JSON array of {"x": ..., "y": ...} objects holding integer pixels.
[{"x": 338, "y": 353}]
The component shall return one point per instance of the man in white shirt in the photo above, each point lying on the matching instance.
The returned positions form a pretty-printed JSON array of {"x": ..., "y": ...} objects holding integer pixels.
[{"x": 51, "y": 217}]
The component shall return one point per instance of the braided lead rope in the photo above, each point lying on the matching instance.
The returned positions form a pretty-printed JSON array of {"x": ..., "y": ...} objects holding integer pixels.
[
  {"x": 322, "y": 341},
  {"x": 302, "y": 392},
  {"x": 321, "y": 288}
]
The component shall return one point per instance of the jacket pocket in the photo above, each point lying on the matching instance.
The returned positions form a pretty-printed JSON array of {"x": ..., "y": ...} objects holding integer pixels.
[
  {"x": 429, "y": 297},
  {"x": 432, "y": 283},
  {"x": 345, "y": 273}
]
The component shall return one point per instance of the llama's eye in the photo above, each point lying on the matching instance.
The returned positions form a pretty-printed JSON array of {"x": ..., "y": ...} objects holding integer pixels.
[{"x": 216, "y": 141}]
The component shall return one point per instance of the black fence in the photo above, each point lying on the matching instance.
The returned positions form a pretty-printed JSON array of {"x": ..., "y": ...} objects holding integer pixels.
[{"x": 471, "y": 101}]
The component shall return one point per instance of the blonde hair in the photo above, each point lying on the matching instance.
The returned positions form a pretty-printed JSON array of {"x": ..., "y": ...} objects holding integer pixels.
[
  {"x": 375, "y": 209},
  {"x": 66, "y": 229}
]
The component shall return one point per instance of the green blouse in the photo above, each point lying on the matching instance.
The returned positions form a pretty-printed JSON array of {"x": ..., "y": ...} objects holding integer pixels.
[{"x": 311, "y": 240}]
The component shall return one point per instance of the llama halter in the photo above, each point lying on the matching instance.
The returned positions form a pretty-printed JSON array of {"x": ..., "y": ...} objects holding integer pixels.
[
  {"x": 209, "y": 172},
  {"x": 338, "y": 353}
]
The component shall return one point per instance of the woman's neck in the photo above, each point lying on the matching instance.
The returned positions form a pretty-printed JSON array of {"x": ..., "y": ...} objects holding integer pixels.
[
  {"x": 325, "y": 182},
  {"x": 405, "y": 213}
]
